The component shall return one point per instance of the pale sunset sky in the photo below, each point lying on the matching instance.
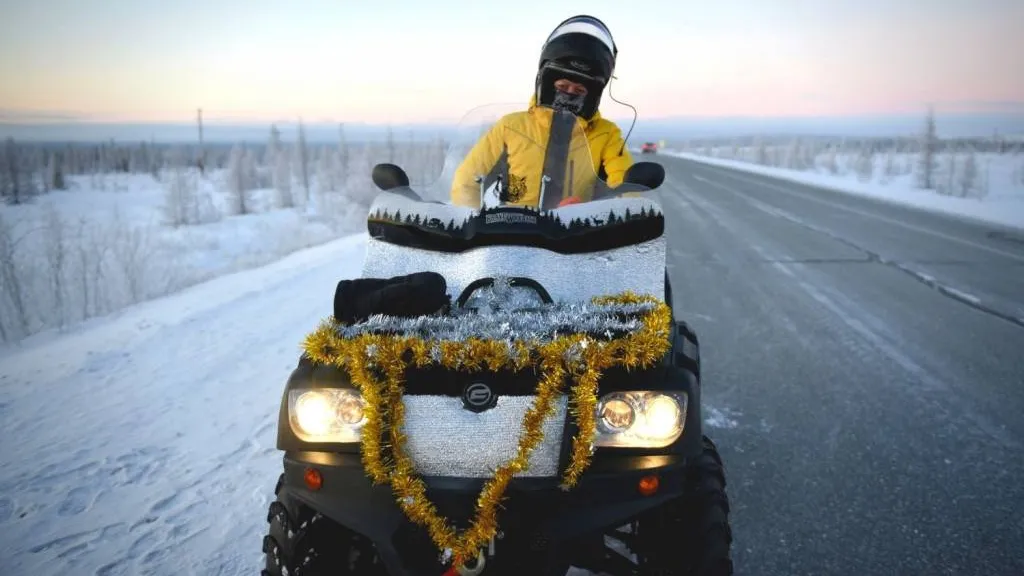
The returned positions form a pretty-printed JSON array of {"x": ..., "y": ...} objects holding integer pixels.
[{"x": 420, "y": 60}]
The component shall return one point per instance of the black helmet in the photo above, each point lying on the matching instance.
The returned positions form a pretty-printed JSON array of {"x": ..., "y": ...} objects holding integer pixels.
[{"x": 580, "y": 49}]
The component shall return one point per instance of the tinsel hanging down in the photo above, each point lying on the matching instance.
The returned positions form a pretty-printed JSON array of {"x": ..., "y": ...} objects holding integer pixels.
[{"x": 573, "y": 342}]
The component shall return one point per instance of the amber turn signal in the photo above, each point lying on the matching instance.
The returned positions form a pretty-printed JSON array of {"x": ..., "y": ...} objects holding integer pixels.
[
  {"x": 648, "y": 485},
  {"x": 313, "y": 479}
]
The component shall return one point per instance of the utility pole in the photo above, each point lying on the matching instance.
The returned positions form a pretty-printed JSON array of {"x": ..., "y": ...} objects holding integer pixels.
[{"x": 202, "y": 151}]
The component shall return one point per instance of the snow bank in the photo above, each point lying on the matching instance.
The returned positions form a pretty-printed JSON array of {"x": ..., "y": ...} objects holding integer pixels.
[
  {"x": 145, "y": 443},
  {"x": 982, "y": 186}
]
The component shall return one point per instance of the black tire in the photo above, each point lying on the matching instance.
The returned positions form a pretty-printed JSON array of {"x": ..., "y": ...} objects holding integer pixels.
[
  {"x": 302, "y": 542},
  {"x": 691, "y": 536}
]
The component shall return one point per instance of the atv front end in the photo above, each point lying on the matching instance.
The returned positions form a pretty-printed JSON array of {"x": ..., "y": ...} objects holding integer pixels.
[
  {"x": 544, "y": 530},
  {"x": 651, "y": 475}
]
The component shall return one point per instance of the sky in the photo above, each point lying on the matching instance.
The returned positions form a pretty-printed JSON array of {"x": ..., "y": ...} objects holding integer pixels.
[{"x": 381, "y": 61}]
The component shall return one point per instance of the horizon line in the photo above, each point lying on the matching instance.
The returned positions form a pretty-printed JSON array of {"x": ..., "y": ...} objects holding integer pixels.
[{"x": 16, "y": 117}]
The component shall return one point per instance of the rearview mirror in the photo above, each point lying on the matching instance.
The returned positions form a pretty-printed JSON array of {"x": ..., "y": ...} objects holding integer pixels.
[
  {"x": 650, "y": 175},
  {"x": 388, "y": 177}
]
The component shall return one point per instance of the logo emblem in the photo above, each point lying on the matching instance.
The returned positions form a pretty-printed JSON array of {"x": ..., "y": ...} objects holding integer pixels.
[
  {"x": 579, "y": 65},
  {"x": 478, "y": 397}
]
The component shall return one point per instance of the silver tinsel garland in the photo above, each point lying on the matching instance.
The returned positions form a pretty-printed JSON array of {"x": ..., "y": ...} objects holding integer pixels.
[
  {"x": 509, "y": 314},
  {"x": 543, "y": 324}
]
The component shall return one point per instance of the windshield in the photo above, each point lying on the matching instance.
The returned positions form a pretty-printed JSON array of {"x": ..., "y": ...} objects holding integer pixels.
[{"x": 507, "y": 155}]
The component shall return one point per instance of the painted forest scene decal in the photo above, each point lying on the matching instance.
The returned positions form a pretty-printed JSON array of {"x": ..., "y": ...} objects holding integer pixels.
[{"x": 574, "y": 229}]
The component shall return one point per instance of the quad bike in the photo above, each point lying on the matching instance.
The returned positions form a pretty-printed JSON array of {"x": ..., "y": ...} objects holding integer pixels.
[{"x": 531, "y": 404}]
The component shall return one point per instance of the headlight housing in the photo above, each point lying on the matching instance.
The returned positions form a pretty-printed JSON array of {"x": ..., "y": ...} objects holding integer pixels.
[
  {"x": 326, "y": 414},
  {"x": 640, "y": 419}
]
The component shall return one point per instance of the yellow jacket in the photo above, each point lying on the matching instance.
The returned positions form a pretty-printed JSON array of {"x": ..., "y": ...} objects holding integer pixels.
[{"x": 525, "y": 134}]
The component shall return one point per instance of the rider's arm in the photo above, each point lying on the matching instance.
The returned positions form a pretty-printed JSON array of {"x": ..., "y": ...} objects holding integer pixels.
[
  {"x": 479, "y": 162},
  {"x": 615, "y": 157}
]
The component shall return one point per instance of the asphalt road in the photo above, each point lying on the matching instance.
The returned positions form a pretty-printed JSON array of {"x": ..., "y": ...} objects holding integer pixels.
[{"x": 864, "y": 366}]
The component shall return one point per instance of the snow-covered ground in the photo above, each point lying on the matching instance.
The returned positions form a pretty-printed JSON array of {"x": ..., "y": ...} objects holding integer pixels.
[
  {"x": 981, "y": 186},
  {"x": 107, "y": 242},
  {"x": 145, "y": 443}
]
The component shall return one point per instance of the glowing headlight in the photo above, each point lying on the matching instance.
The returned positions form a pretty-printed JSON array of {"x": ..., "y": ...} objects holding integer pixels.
[
  {"x": 326, "y": 414},
  {"x": 640, "y": 419}
]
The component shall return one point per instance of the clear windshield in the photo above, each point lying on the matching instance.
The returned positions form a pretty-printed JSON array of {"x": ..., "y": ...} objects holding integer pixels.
[{"x": 505, "y": 154}]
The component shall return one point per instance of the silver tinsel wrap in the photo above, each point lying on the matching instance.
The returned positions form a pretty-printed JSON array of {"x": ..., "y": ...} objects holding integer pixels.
[
  {"x": 540, "y": 324},
  {"x": 445, "y": 439},
  {"x": 639, "y": 268}
]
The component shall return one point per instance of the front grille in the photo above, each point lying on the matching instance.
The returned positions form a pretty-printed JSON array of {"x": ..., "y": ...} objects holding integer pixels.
[{"x": 445, "y": 439}]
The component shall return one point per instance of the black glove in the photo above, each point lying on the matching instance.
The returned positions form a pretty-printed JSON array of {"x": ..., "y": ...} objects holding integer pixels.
[{"x": 416, "y": 294}]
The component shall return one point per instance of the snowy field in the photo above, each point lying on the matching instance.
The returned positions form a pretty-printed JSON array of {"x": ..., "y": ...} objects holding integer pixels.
[
  {"x": 136, "y": 224},
  {"x": 980, "y": 186}
]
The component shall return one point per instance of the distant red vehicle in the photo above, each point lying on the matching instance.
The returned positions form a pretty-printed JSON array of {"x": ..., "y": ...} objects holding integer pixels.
[{"x": 649, "y": 148}]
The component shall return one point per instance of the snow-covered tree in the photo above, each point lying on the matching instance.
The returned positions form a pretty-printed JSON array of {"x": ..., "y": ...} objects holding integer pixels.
[
  {"x": 342, "y": 158},
  {"x": 180, "y": 202},
  {"x": 237, "y": 182},
  {"x": 864, "y": 165},
  {"x": 274, "y": 147},
  {"x": 55, "y": 173},
  {"x": 794, "y": 157},
  {"x": 889, "y": 169},
  {"x": 12, "y": 184},
  {"x": 14, "y": 322},
  {"x": 761, "y": 151},
  {"x": 829, "y": 161},
  {"x": 186, "y": 202},
  {"x": 282, "y": 180},
  {"x": 969, "y": 176},
  {"x": 945, "y": 177},
  {"x": 56, "y": 254},
  {"x": 929, "y": 145},
  {"x": 302, "y": 161}
]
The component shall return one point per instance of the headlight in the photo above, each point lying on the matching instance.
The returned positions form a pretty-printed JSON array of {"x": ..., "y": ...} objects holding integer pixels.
[
  {"x": 326, "y": 414},
  {"x": 640, "y": 419}
]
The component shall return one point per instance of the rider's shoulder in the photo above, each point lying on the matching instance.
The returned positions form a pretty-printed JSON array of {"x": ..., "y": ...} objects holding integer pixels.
[
  {"x": 516, "y": 118},
  {"x": 605, "y": 125}
]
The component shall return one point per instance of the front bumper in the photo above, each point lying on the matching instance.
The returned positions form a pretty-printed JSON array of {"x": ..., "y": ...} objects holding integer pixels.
[{"x": 537, "y": 518}]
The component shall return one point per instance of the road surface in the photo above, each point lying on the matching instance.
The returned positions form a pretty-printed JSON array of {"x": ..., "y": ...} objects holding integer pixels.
[
  {"x": 867, "y": 364},
  {"x": 871, "y": 422}
]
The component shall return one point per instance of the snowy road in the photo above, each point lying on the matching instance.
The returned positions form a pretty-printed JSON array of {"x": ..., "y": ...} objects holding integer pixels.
[
  {"x": 879, "y": 421},
  {"x": 870, "y": 423}
]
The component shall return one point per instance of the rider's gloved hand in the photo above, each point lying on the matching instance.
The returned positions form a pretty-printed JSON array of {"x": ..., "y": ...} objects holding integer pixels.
[{"x": 417, "y": 294}]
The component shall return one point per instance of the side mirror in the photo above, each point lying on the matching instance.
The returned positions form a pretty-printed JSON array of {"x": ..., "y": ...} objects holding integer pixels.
[
  {"x": 389, "y": 176},
  {"x": 650, "y": 175}
]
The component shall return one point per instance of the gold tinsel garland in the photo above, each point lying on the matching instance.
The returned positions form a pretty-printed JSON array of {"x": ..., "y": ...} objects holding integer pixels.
[{"x": 377, "y": 363}]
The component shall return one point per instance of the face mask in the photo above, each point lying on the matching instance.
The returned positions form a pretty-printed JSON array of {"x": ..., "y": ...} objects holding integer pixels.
[{"x": 568, "y": 102}]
